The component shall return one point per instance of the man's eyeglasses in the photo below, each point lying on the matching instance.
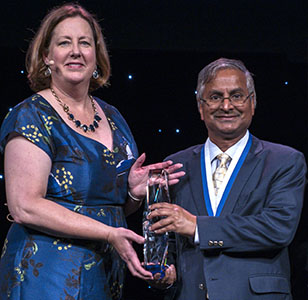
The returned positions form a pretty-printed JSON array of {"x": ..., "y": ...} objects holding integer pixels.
[{"x": 237, "y": 99}]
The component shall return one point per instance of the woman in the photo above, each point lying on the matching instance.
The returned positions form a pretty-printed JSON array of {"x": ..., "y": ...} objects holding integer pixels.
[{"x": 67, "y": 162}]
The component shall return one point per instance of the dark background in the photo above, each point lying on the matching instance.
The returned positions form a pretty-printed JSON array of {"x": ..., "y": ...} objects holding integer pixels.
[{"x": 163, "y": 44}]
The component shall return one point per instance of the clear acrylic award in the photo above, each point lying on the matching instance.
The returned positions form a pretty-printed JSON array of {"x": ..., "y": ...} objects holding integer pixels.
[{"x": 155, "y": 248}]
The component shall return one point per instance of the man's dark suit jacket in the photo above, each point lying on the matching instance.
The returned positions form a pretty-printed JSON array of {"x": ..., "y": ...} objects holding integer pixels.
[{"x": 243, "y": 253}]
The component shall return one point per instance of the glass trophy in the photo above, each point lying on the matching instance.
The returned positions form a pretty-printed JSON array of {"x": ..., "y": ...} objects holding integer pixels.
[{"x": 155, "y": 248}]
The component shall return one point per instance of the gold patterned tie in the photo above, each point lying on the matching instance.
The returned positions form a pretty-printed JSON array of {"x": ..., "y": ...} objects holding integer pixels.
[{"x": 220, "y": 172}]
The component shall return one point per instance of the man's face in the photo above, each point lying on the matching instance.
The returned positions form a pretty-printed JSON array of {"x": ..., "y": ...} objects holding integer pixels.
[{"x": 226, "y": 121}]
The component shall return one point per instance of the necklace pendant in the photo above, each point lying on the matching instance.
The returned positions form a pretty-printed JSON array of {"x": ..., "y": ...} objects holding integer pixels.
[
  {"x": 77, "y": 123},
  {"x": 71, "y": 117},
  {"x": 97, "y": 117},
  {"x": 95, "y": 124},
  {"x": 85, "y": 128}
]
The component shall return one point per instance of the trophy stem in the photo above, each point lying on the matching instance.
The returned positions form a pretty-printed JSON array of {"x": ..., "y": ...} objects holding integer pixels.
[{"x": 155, "y": 248}]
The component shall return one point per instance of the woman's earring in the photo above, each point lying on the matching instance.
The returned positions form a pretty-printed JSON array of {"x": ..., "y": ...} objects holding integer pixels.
[
  {"x": 95, "y": 74},
  {"x": 47, "y": 72}
]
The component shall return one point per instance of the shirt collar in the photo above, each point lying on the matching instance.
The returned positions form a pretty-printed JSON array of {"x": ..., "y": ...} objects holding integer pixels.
[{"x": 239, "y": 146}]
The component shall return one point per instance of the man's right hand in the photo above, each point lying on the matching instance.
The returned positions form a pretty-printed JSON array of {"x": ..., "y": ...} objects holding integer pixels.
[{"x": 166, "y": 282}]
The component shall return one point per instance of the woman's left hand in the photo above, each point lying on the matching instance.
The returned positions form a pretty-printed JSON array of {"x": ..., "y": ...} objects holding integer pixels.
[{"x": 138, "y": 175}]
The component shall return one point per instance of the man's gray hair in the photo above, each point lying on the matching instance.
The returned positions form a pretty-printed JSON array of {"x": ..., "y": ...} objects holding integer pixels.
[{"x": 209, "y": 72}]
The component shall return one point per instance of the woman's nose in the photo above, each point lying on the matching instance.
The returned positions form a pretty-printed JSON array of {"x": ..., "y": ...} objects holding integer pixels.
[{"x": 75, "y": 51}]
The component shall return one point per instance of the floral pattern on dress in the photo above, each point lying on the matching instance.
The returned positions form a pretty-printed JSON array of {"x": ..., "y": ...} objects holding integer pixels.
[{"x": 85, "y": 178}]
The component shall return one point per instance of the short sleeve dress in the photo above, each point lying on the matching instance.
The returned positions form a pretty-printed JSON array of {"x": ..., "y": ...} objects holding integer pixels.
[{"x": 86, "y": 178}]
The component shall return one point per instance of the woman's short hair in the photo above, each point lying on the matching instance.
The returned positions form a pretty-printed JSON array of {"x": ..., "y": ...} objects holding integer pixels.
[{"x": 35, "y": 64}]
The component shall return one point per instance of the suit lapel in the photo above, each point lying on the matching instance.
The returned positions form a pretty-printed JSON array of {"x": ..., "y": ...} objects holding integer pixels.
[
  {"x": 243, "y": 176},
  {"x": 195, "y": 179}
]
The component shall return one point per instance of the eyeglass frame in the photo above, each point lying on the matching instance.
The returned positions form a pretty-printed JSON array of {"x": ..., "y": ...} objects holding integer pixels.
[{"x": 224, "y": 98}]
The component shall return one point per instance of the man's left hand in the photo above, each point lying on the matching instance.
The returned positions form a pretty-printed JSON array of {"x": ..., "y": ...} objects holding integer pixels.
[{"x": 166, "y": 282}]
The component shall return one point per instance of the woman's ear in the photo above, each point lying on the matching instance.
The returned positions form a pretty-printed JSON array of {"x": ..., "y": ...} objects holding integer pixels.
[{"x": 46, "y": 59}]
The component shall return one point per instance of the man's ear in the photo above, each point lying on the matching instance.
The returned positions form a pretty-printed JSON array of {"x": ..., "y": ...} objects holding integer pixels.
[
  {"x": 253, "y": 106},
  {"x": 200, "y": 108}
]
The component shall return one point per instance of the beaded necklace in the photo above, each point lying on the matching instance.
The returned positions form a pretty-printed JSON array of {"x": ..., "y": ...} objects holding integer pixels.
[{"x": 85, "y": 128}]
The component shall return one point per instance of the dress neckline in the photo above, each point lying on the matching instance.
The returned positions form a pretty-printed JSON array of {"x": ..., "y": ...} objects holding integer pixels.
[{"x": 75, "y": 131}]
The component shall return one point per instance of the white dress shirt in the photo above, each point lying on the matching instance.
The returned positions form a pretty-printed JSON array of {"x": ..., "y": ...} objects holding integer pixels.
[{"x": 211, "y": 163}]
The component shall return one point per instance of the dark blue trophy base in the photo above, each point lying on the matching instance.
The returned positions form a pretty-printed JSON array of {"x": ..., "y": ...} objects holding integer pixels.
[{"x": 154, "y": 269}]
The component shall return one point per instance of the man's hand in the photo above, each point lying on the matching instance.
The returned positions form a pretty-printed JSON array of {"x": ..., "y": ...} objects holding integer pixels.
[
  {"x": 166, "y": 281},
  {"x": 176, "y": 219}
]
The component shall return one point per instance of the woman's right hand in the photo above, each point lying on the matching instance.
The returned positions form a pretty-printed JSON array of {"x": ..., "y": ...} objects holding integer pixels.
[{"x": 121, "y": 239}]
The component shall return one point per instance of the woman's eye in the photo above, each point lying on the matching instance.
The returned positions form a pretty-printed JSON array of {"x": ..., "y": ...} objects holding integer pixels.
[
  {"x": 63, "y": 43},
  {"x": 85, "y": 43}
]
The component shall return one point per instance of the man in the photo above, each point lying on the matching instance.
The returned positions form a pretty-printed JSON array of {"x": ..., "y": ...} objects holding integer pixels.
[{"x": 234, "y": 214}]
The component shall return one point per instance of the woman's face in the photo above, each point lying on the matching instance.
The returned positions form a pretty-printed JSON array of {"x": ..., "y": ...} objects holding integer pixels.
[{"x": 72, "y": 49}]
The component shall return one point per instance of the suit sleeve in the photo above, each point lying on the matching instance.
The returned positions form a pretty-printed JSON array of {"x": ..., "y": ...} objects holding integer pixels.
[{"x": 270, "y": 216}]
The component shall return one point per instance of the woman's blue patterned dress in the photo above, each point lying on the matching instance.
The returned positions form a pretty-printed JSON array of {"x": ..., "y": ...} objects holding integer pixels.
[{"x": 87, "y": 178}]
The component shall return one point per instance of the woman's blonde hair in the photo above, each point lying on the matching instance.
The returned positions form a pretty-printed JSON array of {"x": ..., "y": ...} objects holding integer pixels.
[{"x": 35, "y": 64}]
